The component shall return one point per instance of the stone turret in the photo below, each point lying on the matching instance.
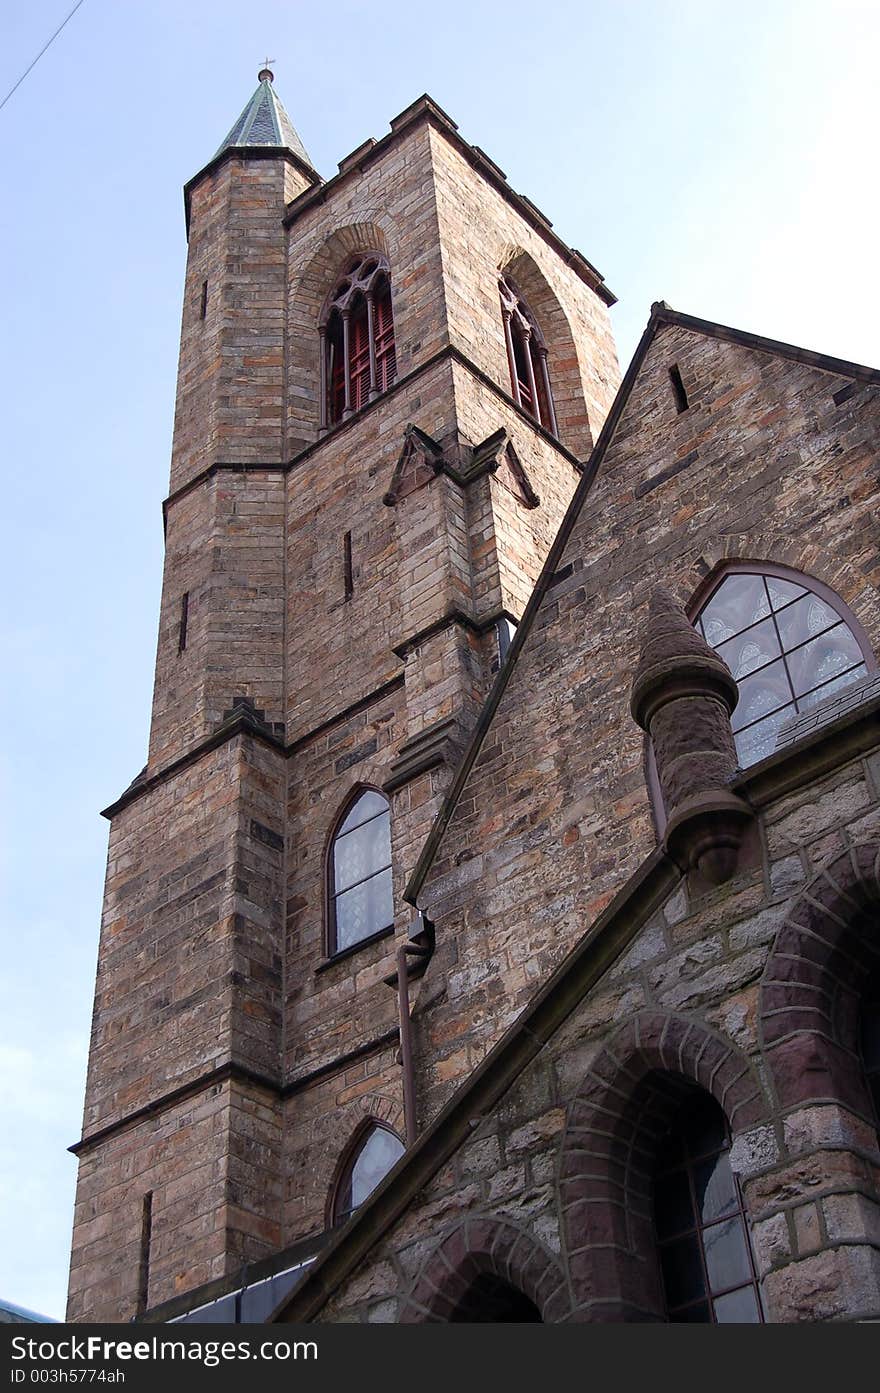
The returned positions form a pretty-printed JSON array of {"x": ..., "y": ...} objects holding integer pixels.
[{"x": 683, "y": 696}]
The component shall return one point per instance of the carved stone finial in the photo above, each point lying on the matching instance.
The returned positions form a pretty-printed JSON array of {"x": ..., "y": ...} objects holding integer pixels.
[{"x": 683, "y": 695}]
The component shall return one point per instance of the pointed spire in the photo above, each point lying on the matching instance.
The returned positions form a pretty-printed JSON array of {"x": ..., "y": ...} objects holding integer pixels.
[{"x": 265, "y": 122}]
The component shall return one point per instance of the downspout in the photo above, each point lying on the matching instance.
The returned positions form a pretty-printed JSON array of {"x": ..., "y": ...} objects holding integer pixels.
[{"x": 419, "y": 945}]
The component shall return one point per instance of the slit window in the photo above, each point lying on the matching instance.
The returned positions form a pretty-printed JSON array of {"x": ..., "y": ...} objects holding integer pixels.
[
  {"x": 678, "y": 391},
  {"x": 184, "y": 621}
]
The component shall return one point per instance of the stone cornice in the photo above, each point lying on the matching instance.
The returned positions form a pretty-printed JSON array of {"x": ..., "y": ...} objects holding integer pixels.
[
  {"x": 449, "y": 353},
  {"x": 235, "y": 1072},
  {"x": 244, "y": 724},
  {"x": 246, "y": 152},
  {"x": 425, "y": 109}
]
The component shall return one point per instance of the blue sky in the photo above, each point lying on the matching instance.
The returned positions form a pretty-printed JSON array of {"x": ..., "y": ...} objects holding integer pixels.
[{"x": 721, "y": 157}]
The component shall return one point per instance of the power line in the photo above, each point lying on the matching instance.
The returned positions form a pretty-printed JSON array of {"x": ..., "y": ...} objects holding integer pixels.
[{"x": 46, "y": 45}]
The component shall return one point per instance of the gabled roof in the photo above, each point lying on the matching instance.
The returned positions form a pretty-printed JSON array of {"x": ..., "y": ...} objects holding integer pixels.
[
  {"x": 661, "y": 314},
  {"x": 265, "y": 122},
  {"x": 788, "y": 769}
]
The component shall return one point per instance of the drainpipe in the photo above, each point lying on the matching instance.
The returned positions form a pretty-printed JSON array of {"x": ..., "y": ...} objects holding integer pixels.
[{"x": 420, "y": 945}]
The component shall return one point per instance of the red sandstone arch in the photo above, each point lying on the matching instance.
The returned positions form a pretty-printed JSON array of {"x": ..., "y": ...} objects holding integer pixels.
[
  {"x": 607, "y": 1151},
  {"x": 482, "y": 1245},
  {"x": 825, "y": 949}
]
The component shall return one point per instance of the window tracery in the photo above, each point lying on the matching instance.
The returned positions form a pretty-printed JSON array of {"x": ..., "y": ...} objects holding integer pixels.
[
  {"x": 526, "y": 357},
  {"x": 358, "y": 357}
]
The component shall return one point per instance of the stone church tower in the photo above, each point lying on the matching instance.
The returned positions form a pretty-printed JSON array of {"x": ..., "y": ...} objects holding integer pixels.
[{"x": 388, "y": 384}]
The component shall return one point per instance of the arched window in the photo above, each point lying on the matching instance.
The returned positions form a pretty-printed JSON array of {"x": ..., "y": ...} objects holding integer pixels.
[
  {"x": 372, "y": 1157},
  {"x": 789, "y": 642},
  {"x": 526, "y": 356},
  {"x": 361, "y": 902},
  {"x": 490, "y": 1299},
  {"x": 703, "y": 1244},
  {"x": 357, "y": 340}
]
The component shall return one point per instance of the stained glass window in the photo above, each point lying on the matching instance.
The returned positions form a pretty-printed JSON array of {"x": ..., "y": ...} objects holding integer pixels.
[
  {"x": 702, "y": 1239},
  {"x": 370, "y": 1162},
  {"x": 361, "y": 900},
  {"x": 787, "y": 647}
]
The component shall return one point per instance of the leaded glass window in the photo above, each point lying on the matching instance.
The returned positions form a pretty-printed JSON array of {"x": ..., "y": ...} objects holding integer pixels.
[
  {"x": 370, "y": 1162},
  {"x": 787, "y": 646},
  {"x": 702, "y": 1237},
  {"x": 361, "y": 900}
]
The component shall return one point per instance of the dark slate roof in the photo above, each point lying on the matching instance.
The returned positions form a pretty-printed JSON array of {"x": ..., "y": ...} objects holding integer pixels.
[{"x": 265, "y": 122}]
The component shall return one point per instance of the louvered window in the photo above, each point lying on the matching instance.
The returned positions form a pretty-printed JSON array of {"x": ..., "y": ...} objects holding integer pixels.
[
  {"x": 357, "y": 337},
  {"x": 527, "y": 357}
]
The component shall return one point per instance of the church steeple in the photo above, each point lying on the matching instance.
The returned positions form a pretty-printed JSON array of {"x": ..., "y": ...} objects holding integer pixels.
[{"x": 265, "y": 122}]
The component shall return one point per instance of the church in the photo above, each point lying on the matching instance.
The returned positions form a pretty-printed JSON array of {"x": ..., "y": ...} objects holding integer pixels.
[{"x": 492, "y": 934}]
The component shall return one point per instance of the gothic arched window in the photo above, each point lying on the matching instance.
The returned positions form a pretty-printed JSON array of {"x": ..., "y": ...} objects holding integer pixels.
[
  {"x": 526, "y": 357},
  {"x": 788, "y": 640},
  {"x": 357, "y": 340},
  {"x": 702, "y": 1238},
  {"x": 373, "y": 1154},
  {"x": 360, "y": 896}
]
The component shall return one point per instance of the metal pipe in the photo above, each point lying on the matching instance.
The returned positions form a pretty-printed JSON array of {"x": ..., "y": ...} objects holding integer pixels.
[{"x": 406, "y": 1055}]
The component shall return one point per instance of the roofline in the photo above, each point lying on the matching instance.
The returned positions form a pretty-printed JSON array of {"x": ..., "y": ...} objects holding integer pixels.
[
  {"x": 251, "y": 152},
  {"x": 425, "y": 109},
  {"x": 661, "y": 314},
  {"x": 784, "y": 772},
  {"x": 542, "y": 585},
  {"x": 664, "y": 314}
]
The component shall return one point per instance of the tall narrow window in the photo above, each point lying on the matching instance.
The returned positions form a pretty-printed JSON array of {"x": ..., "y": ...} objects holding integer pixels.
[
  {"x": 526, "y": 357},
  {"x": 361, "y": 902},
  {"x": 143, "y": 1286},
  {"x": 702, "y": 1237},
  {"x": 678, "y": 391},
  {"x": 371, "y": 1160},
  {"x": 358, "y": 358},
  {"x": 787, "y": 642}
]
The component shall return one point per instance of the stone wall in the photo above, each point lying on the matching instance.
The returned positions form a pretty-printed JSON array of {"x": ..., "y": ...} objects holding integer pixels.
[
  {"x": 529, "y": 1195},
  {"x": 555, "y": 815}
]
